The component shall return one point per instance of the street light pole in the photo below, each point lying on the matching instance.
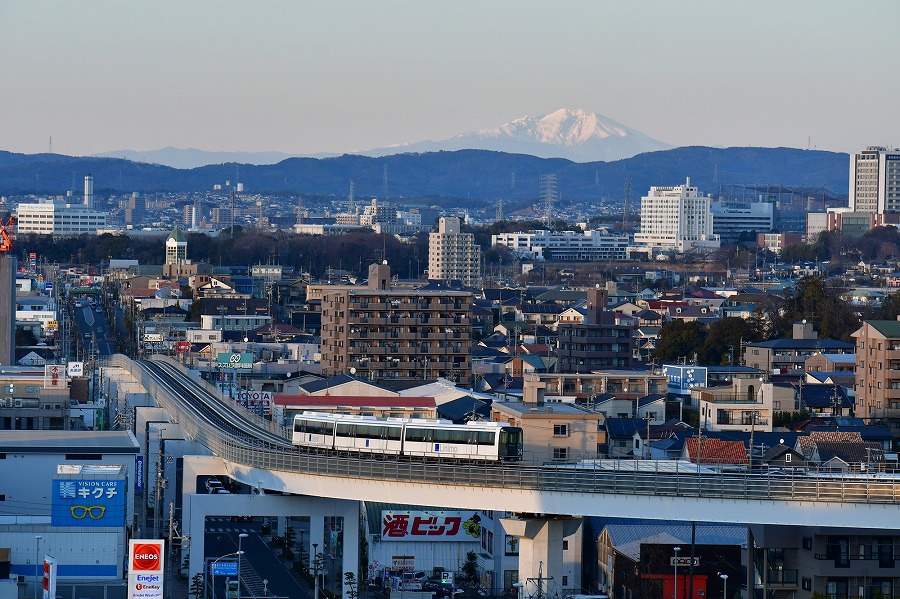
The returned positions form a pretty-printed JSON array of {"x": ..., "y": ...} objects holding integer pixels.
[
  {"x": 38, "y": 571},
  {"x": 241, "y": 537},
  {"x": 315, "y": 565},
  {"x": 675, "y": 593},
  {"x": 724, "y": 578},
  {"x": 212, "y": 568}
]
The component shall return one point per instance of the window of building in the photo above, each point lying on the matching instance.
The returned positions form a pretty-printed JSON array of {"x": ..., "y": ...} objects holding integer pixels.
[{"x": 560, "y": 430}]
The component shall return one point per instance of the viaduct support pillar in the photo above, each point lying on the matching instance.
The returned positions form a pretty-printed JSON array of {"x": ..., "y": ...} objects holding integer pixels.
[{"x": 541, "y": 551}]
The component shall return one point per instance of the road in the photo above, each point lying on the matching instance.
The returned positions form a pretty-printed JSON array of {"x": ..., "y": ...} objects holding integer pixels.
[
  {"x": 89, "y": 320},
  {"x": 259, "y": 563}
]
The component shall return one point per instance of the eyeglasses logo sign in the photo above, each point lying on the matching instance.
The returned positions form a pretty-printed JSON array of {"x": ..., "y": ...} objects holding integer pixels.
[
  {"x": 95, "y": 511},
  {"x": 91, "y": 503}
]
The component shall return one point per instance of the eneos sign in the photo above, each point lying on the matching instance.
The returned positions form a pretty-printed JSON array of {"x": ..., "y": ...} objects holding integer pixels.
[{"x": 145, "y": 573}]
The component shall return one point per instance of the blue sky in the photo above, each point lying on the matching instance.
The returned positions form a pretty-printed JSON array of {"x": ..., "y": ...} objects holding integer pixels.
[{"x": 332, "y": 76}]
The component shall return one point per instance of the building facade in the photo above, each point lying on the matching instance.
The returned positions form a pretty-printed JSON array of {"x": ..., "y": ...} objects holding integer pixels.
[
  {"x": 56, "y": 217},
  {"x": 676, "y": 219},
  {"x": 384, "y": 334},
  {"x": 569, "y": 246},
  {"x": 453, "y": 256},
  {"x": 733, "y": 219},
  {"x": 875, "y": 180},
  {"x": 878, "y": 371},
  {"x": 597, "y": 343}
]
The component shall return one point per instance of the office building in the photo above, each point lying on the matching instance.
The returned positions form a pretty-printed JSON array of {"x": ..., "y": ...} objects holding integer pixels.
[
  {"x": 453, "y": 256},
  {"x": 875, "y": 180},
  {"x": 568, "y": 246},
  {"x": 380, "y": 333},
  {"x": 734, "y": 220},
  {"x": 135, "y": 209},
  {"x": 676, "y": 219},
  {"x": 56, "y": 217}
]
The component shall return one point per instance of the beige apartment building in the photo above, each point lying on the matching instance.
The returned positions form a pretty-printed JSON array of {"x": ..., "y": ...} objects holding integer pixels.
[
  {"x": 878, "y": 370},
  {"x": 453, "y": 256},
  {"x": 382, "y": 334}
]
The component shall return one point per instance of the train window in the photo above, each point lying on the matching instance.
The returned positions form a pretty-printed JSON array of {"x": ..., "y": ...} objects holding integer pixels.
[
  {"x": 441, "y": 436},
  {"x": 485, "y": 438},
  {"x": 460, "y": 436},
  {"x": 394, "y": 433},
  {"x": 298, "y": 426},
  {"x": 364, "y": 431},
  {"x": 344, "y": 430},
  {"x": 420, "y": 435}
]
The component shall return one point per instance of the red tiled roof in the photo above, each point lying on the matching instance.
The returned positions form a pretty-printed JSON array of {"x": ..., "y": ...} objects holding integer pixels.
[
  {"x": 717, "y": 451},
  {"x": 356, "y": 401}
]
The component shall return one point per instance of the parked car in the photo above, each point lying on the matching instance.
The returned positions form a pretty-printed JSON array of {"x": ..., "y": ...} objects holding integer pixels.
[{"x": 439, "y": 589}]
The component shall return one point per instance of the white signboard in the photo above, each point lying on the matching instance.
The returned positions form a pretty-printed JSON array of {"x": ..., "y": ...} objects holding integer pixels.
[
  {"x": 146, "y": 559},
  {"x": 407, "y": 525},
  {"x": 76, "y": 369},
  {"x": 55, "y": 376}
]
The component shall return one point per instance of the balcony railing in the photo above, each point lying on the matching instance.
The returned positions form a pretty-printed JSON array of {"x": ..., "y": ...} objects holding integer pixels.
[{"x": 782, "y": 578}]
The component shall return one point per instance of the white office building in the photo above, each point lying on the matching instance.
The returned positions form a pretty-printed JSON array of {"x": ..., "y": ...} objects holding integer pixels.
[
  {"x": 56, "y": 217},
  {"x": 567, "y": 246},
  {"x": 875, "y": 180},
  {"x": 676, "y": 219},
  {"x": 732, "y": 219},
  {"x": 453, "y": 256}
]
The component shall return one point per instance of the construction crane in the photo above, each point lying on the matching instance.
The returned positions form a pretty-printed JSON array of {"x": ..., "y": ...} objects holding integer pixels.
[{"x": 6, "y": 234}]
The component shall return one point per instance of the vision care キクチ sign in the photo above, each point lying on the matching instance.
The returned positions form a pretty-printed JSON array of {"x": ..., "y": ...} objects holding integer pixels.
[{"x": 145, "y": 569}]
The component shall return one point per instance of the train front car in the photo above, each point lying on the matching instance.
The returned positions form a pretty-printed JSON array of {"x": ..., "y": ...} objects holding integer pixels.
[
  {"x": 315, "y": 430},
  {"x": 511, "y": 444}
]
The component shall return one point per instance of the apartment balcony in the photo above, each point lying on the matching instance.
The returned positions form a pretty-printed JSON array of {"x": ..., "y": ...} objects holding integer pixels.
[{"x": 782, "y": 579}]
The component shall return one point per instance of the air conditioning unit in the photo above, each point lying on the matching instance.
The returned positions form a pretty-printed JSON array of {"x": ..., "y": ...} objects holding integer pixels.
[
  {"x": 8, "y": 402},
  {"x": 19, "y": 403}
]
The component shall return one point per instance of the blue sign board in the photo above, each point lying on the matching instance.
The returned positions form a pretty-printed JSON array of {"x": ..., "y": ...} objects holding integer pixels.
[
  {"x": 138, "y": 474},
  {"x": 684, "y": 378},
  {"x": 88, "y": 503},
  {"x": 223, "y": 569}
]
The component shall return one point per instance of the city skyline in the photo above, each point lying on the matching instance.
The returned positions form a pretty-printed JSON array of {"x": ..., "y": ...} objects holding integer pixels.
[{"x": 307, "y": 78}]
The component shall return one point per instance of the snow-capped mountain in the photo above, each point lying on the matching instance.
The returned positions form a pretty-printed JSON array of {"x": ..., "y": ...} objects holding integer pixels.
[{"x": 574, "y": 134}]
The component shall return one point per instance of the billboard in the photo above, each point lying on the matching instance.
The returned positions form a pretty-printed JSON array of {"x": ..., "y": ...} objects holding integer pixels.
[
  {"x": 49, "y": 583},
  {"x": 259, "y": 402},
  {"x": 54, "y": 377},
  {"x": 684, "y": 378},
  {"x": 138, "y": 474},
  {"x": 223, "y": 568},
  {"x": 75, "y": 369},
  {"x": 236, "y": 361},
  {"x": 408, "y": 525},
  {"x": 88, "y": 503},
  {"x": 146, "y": 559}
]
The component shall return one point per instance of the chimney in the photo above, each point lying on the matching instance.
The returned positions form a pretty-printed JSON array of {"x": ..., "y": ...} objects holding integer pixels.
[{"x": 89, "y": 192}]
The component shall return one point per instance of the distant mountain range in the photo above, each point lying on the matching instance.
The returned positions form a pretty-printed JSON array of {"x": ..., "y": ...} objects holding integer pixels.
[
  {"x": 572, "y": 134},
  {"x": 475, "y": 175}
]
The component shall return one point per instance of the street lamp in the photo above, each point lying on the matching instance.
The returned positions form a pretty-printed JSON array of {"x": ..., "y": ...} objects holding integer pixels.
[
  {"x": 38, "y": 571},
  {"x": 212, "y": 568},
  {"x": 724, "y": 578},
  {"x": 315, "y": 565},
  {"x": 241, "y": 537},
  {"x": 675, "y": 593}
]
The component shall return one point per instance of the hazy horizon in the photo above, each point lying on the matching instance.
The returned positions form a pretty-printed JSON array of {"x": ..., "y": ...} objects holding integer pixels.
[{"x": 307, "y": 78}]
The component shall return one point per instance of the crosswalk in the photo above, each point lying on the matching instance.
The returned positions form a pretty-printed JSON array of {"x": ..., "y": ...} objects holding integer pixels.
[{"x": 226, "y": 524}]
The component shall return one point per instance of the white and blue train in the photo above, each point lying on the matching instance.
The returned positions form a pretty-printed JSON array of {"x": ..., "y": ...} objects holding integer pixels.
[{"x": 490, "y": 441}]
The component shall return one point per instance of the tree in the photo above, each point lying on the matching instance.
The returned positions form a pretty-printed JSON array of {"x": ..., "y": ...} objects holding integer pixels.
[
  {"x": 679, "y": 339},
  {"x": 196, "y": 589},
  {"x": 723, "y": 342},
  {"x": 470, "y": 570},
  {"x": 350, "y": 584}
]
